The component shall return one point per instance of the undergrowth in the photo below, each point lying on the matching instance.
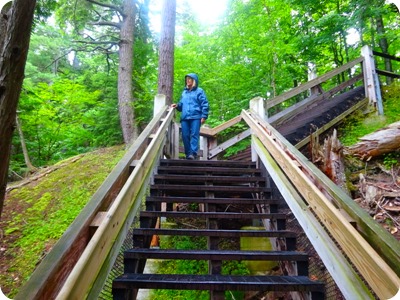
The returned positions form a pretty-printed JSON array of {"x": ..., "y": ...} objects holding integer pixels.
[
  {"x": 46, "y": 208},
  {"x": 359, "y": 124}
]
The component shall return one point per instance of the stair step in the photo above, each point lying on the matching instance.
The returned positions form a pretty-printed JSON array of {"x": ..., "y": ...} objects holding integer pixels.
[
  {"x": 215, "y": 233},
  {"x": 146, "y": 253},
  {"x": 184, "y": 179},
  {"x": 250, "y": 201},
  {"x": 209, "y": 188},
  {"x": 192, "y": 170},
  {"x": 212, "y": 163},
  {"x": 212, "y": 215},
  {"x": 220, "y": 283}
]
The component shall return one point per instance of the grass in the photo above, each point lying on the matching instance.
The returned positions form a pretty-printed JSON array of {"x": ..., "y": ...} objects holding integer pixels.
[
  {"x": 359, "y": 124},
  {"x": 36, "y": 215}
]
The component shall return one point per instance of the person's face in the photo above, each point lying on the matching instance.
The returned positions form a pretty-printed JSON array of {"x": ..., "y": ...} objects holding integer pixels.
[{"x": 189, "y": 81}]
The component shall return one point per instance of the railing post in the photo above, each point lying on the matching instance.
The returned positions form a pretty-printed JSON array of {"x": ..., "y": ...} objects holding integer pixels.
[
  {"x": 371, "y": 82},
  {"x": 159, "y": 103},
  {"x": 257, "y": 105},
  {"x": 175, "y": 140}
]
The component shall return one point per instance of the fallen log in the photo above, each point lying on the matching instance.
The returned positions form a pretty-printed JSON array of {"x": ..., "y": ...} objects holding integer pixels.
[{"x": 385, "y": 140}]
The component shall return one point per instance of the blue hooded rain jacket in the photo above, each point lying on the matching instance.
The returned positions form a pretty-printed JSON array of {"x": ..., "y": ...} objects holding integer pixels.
[{"x": 193, "y": 103}]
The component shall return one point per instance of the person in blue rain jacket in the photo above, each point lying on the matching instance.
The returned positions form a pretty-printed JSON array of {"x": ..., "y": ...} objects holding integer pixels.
[{"x": 194, "y": 107}]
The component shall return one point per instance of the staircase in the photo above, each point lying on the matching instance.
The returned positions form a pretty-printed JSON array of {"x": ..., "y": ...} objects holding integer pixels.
[{"x": 227, "y": 195}]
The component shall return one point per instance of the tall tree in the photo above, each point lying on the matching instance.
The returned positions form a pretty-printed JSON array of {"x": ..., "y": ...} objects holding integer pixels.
[
  {"x": 108, "y": 27},
  {"x": 13, "y": 56},
  {"x": 125, "y": 95},
  {"x": 166, "y": 52}
]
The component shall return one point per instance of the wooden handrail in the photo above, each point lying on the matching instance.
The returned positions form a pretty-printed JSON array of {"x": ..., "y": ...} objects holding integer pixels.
[
  {"x": 62, "y": 261},
  {"x": 312, "y": 83},
  {"x": 392, "y": 57},
  {"x": 212, "y": 132},
  {"x": 326, "y": 199}
]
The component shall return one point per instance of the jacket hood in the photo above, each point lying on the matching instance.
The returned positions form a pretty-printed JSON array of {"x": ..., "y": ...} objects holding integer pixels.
[{"x": 194, "y": 76}]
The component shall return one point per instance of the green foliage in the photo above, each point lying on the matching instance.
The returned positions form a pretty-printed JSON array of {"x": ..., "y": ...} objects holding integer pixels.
[
  {"x": 358, "y": 125},
  {"x": 391, "y": 160},
  {"x": 57, "y": 120}
]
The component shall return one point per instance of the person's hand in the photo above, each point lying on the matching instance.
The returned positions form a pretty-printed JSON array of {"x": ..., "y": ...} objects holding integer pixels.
[
  {"x": 173, "y": 105},
  {"x": 202, "y": 120}
]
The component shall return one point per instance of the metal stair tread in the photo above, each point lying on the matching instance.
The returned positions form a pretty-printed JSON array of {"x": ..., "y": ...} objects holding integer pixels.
[
  {"x": 154, "y": 253},
  {"x": 218, "y": 282},
  {"x": 209, "y": 188},
  {"x": 219, "y": 215},
  {"x": 213, "y": 163},
  {"x": 202, "y": 169},
  {"x": 226, "y": 178},
  {"x": 215, "y": 232},
  {"x": 173, "y": 199}
]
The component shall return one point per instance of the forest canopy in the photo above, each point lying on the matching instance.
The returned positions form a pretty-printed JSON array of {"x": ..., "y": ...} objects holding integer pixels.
[{"x": 69, "y": 100}]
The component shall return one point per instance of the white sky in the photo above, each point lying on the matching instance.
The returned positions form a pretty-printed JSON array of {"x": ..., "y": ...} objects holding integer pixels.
[{"x": 208, "y": 12}]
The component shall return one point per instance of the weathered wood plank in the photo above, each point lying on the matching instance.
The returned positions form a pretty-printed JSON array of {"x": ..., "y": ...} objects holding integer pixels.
[
  {"x": 50, "y": 275},
  {"x": 90, "y": 262},
  {"x": 211, "y": 132},
  {"x": 225, "y": 145},
  {"x": 347, "y": 279},
  {"x": 314, "y": 82},
  {"x": 285, "y": 115},
  {"x": 380, "y": 276}
]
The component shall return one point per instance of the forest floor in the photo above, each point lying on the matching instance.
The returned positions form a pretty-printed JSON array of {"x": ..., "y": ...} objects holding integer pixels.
[
  {"x": 376, "y": 188},
  {"x": 38, "y": 209}
]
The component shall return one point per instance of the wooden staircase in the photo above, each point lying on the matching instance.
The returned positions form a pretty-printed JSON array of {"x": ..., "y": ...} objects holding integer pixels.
[{"x": 229, "y": 195}]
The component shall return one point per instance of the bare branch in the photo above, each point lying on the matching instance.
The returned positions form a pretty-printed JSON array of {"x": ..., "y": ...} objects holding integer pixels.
[
  {"x": 105, "y": 23},
  {"x": 108, "y": 5},
  {"x": 98, "y": 42}
]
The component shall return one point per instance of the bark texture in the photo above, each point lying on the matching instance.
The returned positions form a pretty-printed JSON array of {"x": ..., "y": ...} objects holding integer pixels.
[
  {"x": 125, "y": 95},
  {"x": 166, "y": 52},
  {"x": 383, "y": 141},
  {"x": 13, "y": 56}
]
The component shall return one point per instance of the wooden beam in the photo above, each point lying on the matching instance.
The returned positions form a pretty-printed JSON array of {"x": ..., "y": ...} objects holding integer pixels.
[
  {"x": 348, "y": 281},
  {"x": 50, "y": 275},
  {"x": 309, "y": 84},
  {"x": 211, "y": 132},
  {"x": 222, "y": 147},
  {"x": 379, "y": 275},
  {"x": 91, "y": 261},
  {"x": 380, "y": 239},
  {"x": 285, "y": 115}
]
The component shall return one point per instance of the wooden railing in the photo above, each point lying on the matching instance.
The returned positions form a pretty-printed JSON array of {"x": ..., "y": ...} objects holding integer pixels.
[
  {"x": 78, "y": 265},
  {"x": 324, "y": 210},
  {"x": 391, "y": 58}
]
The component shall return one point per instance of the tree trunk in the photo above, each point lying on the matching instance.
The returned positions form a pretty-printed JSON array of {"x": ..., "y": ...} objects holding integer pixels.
[
  {"x": 28, "y": 163},
  {"x": 383, "y": 141},
  {"x": 384, "y": 46},
  {"x": 166, "y": 52},
  {"x": 125, "y": 95},
  {"x": 12, "y": 67}
]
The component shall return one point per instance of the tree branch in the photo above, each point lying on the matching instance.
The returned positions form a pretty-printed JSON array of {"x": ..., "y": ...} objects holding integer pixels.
[
  {"x": 108, "y": 5},
  {"x": 106, "y": 23}
]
